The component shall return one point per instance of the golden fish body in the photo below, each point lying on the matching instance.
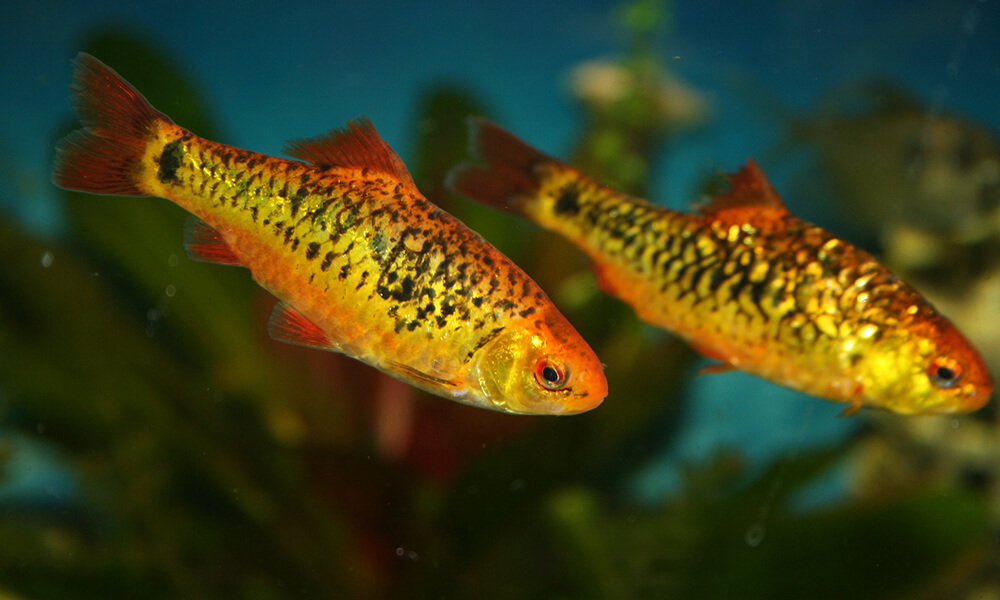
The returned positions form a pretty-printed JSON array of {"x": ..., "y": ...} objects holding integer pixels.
[
  {"x": 362, "y": 263},
  {"x": 747, "y": 283}
]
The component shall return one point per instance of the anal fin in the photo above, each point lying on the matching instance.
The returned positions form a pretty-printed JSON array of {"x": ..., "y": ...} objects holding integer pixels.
[
  {"x": 205, "y": 244},
  {"x": 292, "y": 327}
]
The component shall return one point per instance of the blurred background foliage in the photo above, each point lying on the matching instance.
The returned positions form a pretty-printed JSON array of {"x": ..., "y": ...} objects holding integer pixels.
[{"x": 200, "y": 459}]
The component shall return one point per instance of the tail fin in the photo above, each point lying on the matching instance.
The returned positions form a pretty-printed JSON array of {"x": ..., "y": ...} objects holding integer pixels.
[
  {"x": 117, "y": 123},
  {"x": 510, "y": 171}
]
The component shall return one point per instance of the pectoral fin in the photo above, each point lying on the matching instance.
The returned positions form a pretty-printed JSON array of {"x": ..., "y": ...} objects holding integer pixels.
[
  {"x": 715, "y": 368},
  {"x": 852, "y": 409},
  {"x": 419, "y": 378}
]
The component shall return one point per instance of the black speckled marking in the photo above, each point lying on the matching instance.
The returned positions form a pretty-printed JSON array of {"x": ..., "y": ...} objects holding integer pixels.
[
  {"x": 312, "y": 250},
  {"x": 569, "y": 202},
  {"x": 486, "y": 339},
  {"x": 296, "y": 200},
  {"x": 405, "y": 290},
  {"x": 169, "y": 161}
]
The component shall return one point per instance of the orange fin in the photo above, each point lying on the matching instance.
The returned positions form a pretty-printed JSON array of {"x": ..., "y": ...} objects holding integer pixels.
[
  {"x": 356, "y": 145},
  {"x": 748, "y": 188},
  {"x": 205, "y": 244},
  {"x": 603, "y": 281},
  {"x": 715, "y": 368},
  {"x": 104, "y": 156},
  {"x": 420, "y": 376},
  {"x": 292, "y": 327},
  {"x": 852, "y": 409},
  {"x": 509, "y": 173},
  {"x": 709, "y": 353}
]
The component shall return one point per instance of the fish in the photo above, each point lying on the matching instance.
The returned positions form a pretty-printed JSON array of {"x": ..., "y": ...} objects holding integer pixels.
[
  {"x": 744, "y": 282},
  {"x": 897, "y": 161},
  {"x": 360, "y": 262}
]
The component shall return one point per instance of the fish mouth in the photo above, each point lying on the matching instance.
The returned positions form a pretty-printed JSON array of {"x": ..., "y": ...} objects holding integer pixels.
[
  {"x": 972, "y": 400},
  {"x": 596, "y": 386},
  {"x": 584, "y": 404},
  {"x": 564, "y": 408},
  {"x": 976, "y": 400},
  {"x": 595, "y": 390},
  {"x": 566, "y": 403}
]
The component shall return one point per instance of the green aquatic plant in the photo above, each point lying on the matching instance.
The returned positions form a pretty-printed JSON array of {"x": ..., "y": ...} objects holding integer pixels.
[{"x": 213, "y": 462}]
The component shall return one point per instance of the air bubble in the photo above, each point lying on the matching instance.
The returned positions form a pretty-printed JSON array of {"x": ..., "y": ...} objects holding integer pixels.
[{"x": 755, "y": 534}]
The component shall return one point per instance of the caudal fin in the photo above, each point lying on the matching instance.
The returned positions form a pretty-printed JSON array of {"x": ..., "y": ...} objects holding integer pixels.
[
  {"x": 117, "y": 123},
  {"x": 509, "y": 172}
]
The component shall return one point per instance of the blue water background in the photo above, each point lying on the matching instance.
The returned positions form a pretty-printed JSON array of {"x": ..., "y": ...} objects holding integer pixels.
[{"x": 274, "y": 71}]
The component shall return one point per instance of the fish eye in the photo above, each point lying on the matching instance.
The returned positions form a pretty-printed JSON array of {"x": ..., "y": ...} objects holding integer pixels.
[
  {"x": 551, "y": 375},
  {"x": 944, "y": 372}
]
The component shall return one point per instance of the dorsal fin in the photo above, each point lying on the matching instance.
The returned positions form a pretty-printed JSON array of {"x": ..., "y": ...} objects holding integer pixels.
[
  {"x": 748, "y": 188},
  {"x": 356, "y": 145}
]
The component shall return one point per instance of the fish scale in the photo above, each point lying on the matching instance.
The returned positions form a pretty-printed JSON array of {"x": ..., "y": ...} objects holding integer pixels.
[
  {"x": 422, "y": 278},
  {"x": 745, "y": 282},
  {"x": 361, "y": 262},
  {"x": 789, "y": 295}
]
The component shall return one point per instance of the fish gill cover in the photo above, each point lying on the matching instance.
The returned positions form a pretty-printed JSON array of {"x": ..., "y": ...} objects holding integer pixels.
[{"x": 215, "y": 463}]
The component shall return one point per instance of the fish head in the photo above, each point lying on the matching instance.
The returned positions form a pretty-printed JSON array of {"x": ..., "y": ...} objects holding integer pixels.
[
  {"x": 541, "y": 366},
  {"x": 928, "y": 368}
]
